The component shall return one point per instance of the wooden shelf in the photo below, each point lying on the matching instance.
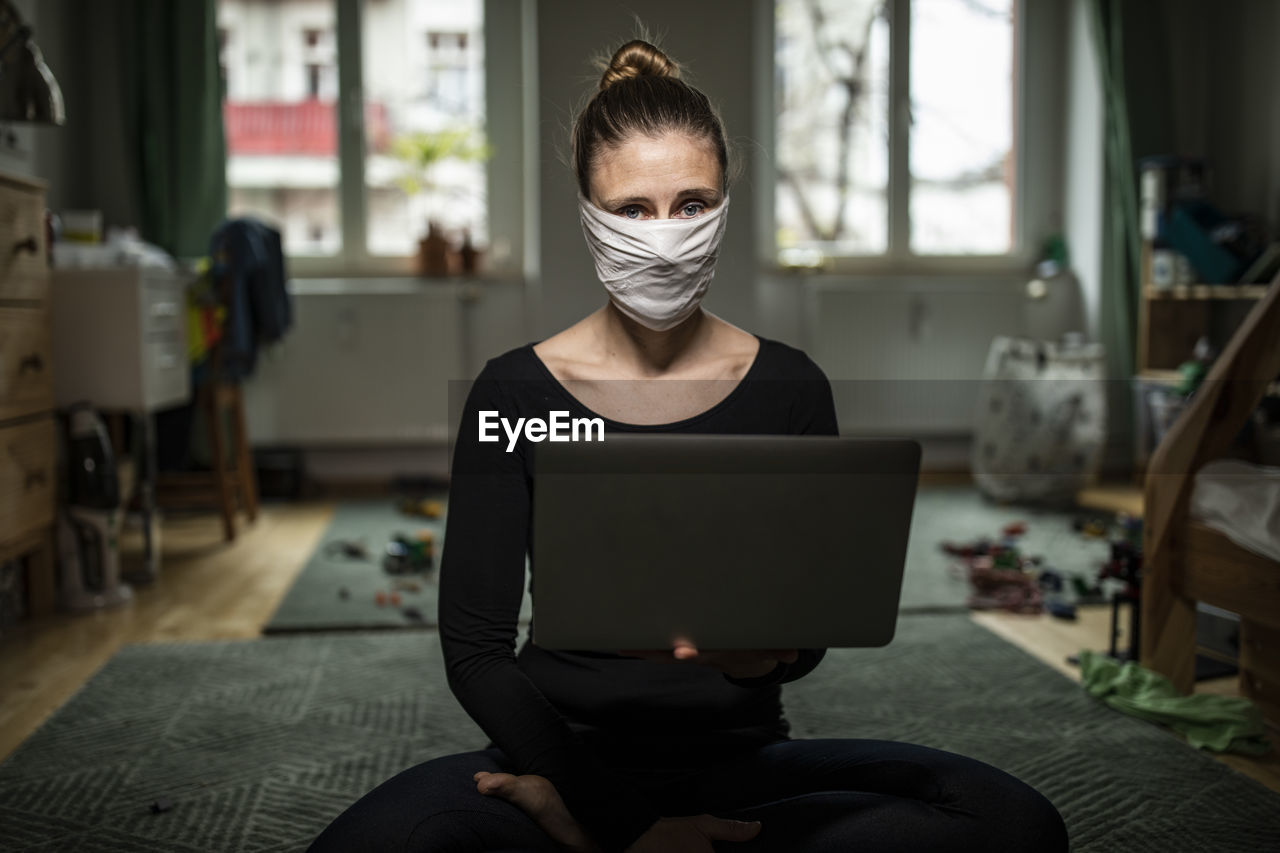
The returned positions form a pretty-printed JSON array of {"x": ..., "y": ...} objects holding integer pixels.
[
  {"x": 1160, "y": 377},
  {"x": 1172, "y": 378},
  {"x": 1199, "y": 292}
]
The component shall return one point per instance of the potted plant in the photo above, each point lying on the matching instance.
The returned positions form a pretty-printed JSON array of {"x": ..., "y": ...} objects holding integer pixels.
[{"x": 420, "y": 152}]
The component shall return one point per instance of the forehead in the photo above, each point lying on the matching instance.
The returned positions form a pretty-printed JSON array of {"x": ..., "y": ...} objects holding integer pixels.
[{"x": 644, "y": 166}]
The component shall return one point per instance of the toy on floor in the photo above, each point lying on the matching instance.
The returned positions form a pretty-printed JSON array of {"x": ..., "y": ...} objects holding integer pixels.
[
  {"x": 406, "y": 555},
  {"x": 1002, "y": 578},
  {"x": 1094, "y": 528},
  {"x": 352, "y": 549},
  {"x": 1125, "y": 565},
  {"x": 1061, "y": 609},
  {"x": 422, "y": 507},
  {"x": 1087, "y": 590}
]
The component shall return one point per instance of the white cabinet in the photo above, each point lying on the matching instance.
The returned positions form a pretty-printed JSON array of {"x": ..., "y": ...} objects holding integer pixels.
[{"x": 120, "y": 339}]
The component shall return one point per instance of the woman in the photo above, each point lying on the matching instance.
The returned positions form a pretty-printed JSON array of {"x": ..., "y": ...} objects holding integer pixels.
[{"x": 667, "y": 750}]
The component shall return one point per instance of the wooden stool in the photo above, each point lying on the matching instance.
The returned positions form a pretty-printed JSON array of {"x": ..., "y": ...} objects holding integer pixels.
[{"x": 230, "y": 484}]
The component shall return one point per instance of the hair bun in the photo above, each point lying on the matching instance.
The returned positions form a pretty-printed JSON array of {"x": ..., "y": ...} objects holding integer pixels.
[{"x": 638, "y": 58}]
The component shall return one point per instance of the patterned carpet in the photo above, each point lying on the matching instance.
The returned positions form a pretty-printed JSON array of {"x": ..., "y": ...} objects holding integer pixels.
[
  {"x": 316, "y": 600},
  {"x": 259, "y": 744}
]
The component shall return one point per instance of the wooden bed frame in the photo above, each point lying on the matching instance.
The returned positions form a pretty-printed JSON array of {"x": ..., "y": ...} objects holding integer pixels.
[{"x": 1186, "y": 562}]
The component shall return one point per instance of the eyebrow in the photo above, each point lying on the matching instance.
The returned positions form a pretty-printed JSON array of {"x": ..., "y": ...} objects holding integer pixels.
[{"x": 623, "y": 201}]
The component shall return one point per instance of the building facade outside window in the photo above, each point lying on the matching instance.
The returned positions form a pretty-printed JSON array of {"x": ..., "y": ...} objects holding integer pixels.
[{"x": 420, "y": 71}]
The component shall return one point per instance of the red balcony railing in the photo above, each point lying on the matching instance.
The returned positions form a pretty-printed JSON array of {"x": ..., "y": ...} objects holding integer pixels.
[{"x": 307, "y": 128}]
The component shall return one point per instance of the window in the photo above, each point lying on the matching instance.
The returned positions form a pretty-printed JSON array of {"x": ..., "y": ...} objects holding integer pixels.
[
  {"x": 447, "y": 70},
  {"x": 896, "y": 129},
  {"x": 424, "y": 77},
  {"x": 355, "y": 196}
]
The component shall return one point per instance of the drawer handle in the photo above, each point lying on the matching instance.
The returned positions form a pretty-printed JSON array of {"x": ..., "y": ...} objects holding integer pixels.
[
  {"x": 164, "y": 309},
  {"x": 33, "y": 362},
  {"x": 31, "y": 477},
  {"x": 28, "y": 245}
]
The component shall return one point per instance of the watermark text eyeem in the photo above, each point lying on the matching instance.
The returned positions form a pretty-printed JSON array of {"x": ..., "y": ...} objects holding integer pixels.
[{"x": 560, "y": 427}]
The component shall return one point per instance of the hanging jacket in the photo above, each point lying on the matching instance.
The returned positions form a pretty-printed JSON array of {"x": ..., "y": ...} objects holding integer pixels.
[{"x": 248, "y": 255}]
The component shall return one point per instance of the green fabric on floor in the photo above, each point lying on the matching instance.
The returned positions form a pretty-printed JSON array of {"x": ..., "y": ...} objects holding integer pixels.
[{"x": 1218, "y": 723}]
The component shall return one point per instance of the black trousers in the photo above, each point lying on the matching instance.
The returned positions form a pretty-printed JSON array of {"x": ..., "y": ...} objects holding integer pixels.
[{"x": 819, "y": 796}]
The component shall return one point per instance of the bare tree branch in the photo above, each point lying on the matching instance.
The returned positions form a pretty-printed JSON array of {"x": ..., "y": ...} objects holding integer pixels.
[
  {"x": 854, "y": 88},
  {"x": 806, "y": 212}
]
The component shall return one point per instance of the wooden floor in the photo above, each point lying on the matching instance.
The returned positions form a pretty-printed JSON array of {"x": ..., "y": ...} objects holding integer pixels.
[{"x": 210, "y": 591}]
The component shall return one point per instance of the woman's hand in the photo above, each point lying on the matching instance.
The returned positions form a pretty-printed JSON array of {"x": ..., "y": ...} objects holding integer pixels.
[
  {"x": 539, "y": 799},
  {"x": 737, "y": 663},
  {"x": 692, "y": 834}
]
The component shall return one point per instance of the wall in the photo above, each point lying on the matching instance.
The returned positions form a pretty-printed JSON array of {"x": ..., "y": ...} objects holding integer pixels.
[
  {"x": 1202, "y": 81},
  {"x": 1082, "y": 187},
  {"x": 713, "y": 40},
  {"x": 1242, "y": 116},
  {"x": 87, "y": 161}
]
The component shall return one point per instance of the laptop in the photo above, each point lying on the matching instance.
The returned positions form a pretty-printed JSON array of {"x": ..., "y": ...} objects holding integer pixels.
[{"x": 731, "y": 541}]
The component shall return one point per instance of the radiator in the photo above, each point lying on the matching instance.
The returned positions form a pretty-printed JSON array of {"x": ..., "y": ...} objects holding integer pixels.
[
  {"x": 907, "y": 356},
  {"x": 366, "y": 365}
]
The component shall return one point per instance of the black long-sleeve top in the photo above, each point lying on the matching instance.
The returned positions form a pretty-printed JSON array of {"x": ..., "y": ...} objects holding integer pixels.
[{"x": 540, "y": 706}]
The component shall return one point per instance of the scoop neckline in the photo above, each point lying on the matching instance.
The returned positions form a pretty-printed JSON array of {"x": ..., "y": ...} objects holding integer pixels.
[{"x": 670, "y": 425}]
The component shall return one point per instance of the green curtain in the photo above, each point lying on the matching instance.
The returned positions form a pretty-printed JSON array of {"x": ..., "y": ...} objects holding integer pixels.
[
  {"x": 1131, "y": 40},
  {"x": 173, "y": 115},
  {"x": 1121, "y": 247}
]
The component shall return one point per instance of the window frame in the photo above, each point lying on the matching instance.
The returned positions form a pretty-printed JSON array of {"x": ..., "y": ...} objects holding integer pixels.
[
  {"x": 1036, "y": 129},
  {"x": 503, "y": 22}
]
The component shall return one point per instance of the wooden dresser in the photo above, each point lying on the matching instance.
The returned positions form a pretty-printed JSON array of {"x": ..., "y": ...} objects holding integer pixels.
[{"x": 28, "y": 431}]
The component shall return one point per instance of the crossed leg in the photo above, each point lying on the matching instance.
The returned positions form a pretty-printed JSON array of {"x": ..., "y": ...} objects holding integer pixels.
[
  {"x": 817, "y": 796},
  {"x": 870, "y": 796},
  {"x": 434, "y": 807}
]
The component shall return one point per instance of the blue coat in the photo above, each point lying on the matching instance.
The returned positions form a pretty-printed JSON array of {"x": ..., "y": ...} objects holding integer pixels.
[{"x": 248, "y": 255}]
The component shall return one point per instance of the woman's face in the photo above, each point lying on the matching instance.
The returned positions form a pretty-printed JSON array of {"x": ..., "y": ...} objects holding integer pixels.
[{"x": 672, "y": 176}]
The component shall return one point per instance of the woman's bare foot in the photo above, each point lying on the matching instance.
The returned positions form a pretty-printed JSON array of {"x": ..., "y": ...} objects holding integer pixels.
[{"x": 539, "y": 799}]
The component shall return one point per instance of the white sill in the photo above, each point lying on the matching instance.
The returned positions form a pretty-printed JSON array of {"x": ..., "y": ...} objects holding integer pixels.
[
  {"x": 383, "y": 285},
  {"x": 959, "y": 266}
]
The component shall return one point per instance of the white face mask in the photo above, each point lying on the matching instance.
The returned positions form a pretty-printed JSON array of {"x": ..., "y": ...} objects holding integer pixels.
[{"x": 656, "y": 270}]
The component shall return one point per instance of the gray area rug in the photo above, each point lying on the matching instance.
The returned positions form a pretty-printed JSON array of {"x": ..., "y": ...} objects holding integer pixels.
[
  {"x": 334, "y": 592},
  {"x": 259, "y": 744},
  {"x": 315, "y": 601}
]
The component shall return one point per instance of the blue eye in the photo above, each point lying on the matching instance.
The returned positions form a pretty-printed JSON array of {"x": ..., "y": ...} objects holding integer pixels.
[
  {"x": 630, "y": 211},
  {"x": 693, "y": 208}
]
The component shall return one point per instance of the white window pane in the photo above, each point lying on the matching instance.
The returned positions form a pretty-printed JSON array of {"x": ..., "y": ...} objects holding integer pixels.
[
  {"x": 424, "y": 122},
  {"x": 280, "y": 67},
  {"x": 832, "y": 66},
  {"x": 962, "y": 144}
]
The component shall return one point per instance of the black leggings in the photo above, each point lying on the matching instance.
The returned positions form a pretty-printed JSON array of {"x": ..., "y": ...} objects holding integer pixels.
[{"x": 868, "y": 796}]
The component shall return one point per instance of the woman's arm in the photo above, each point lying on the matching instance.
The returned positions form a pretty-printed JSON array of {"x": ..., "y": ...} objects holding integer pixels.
[
  {"x": 813, "y": 412},
  {"x": 481, "y": 585}
]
